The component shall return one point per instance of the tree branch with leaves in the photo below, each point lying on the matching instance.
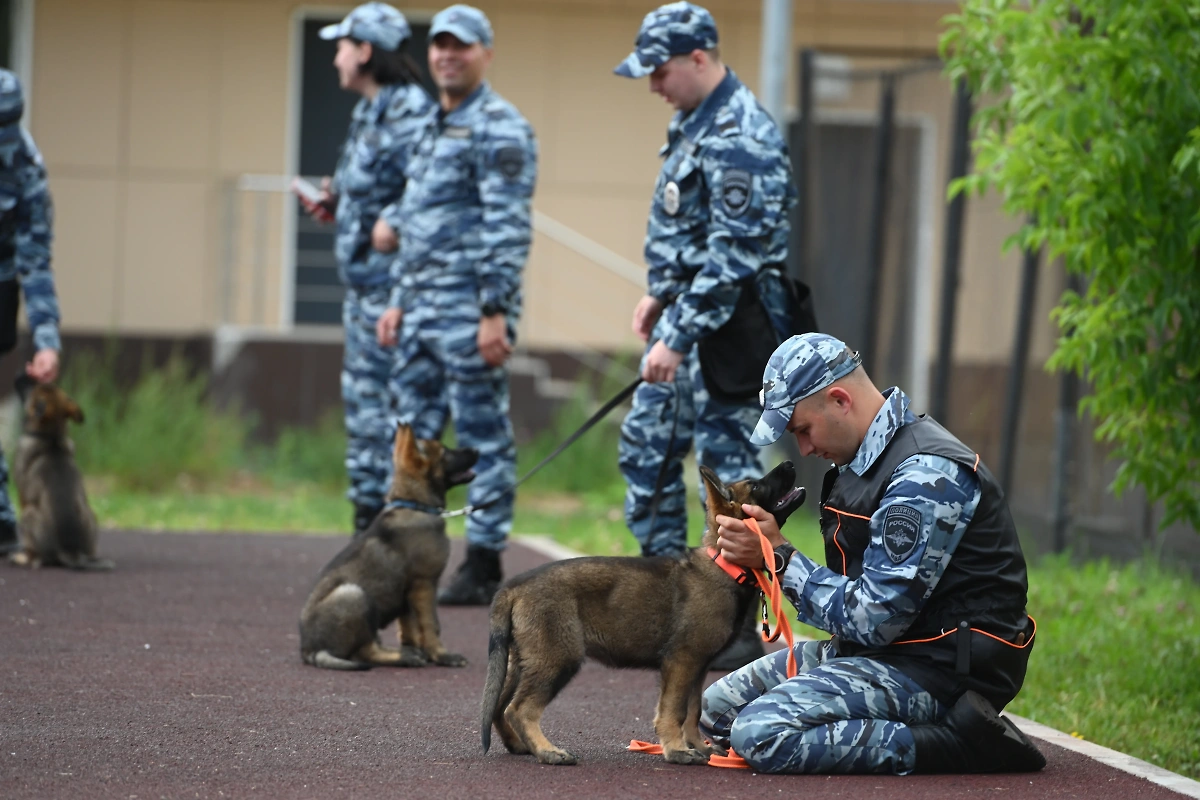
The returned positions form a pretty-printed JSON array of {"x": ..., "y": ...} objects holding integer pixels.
[{"x": 1089, "y": 125}]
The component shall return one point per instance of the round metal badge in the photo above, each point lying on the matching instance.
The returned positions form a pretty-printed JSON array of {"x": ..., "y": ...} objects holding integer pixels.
[{"x": 671, "y": 198}]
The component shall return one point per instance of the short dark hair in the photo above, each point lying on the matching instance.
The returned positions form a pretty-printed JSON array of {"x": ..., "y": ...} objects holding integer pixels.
[{"x": 390, "y": 66}]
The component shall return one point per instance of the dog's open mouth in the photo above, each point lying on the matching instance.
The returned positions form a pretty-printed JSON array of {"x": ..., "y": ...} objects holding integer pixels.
[
  {"x": 466, "y": 476},
  {"x": 789, "y": 498}
]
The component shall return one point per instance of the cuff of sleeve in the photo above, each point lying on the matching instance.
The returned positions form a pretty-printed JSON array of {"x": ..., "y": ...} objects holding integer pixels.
[
  {"x": 490, "y": 297},
  {"x": 391, "y": 215},
  {"x": 675, "y": 339},
  {"x": 799, "y": 569},
  {"x": 396, "y": 298},
  {"x": 45, "y": 337}
]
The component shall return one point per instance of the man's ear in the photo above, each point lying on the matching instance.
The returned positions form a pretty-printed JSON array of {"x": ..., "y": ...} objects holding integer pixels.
[{"x": 839, "y": 397}]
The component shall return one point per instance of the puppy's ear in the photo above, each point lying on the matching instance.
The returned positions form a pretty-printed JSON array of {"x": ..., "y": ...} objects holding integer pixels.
[
  {"x": 407, "y": 456},
  {"x": 720, "y": 499},
  {"x": 22, "y": 384}
]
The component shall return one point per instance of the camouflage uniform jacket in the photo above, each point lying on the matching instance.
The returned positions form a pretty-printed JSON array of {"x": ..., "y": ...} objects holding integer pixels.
[
  {"x": 370, "y": 176},
  {"x": 720, "y": 211},
  {"x": 466, "y": 215},
  {"x": 26, "y": 231},
  {"x": 938, "y": 494}
]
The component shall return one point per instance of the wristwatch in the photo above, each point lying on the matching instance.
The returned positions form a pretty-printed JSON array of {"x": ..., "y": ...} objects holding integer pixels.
[
  {"x": 490, "y": 309},
  {"x": 783, "y": 554}
]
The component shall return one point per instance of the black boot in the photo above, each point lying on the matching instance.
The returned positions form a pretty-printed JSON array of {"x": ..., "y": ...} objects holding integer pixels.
[
  {"x": 476, "y": 581},
  {"x": 364, "y": 515},
  {"x": 8, "y": 538},
  {"x": 747, "y": 646},
  {"x": 972, "y": 737}
]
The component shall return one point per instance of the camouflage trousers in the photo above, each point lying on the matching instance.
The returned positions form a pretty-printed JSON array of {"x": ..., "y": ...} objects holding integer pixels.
[
  {"x": 7, "y": 514},
  {"x": 366, "y": 397},
  {"x": 665, "y": 421},
  {"x": 445, "y": 375},
  {"x": 838, "y": 715}
]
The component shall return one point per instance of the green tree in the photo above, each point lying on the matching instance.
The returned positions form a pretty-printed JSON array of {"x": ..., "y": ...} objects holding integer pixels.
[{"x": 1088, "y": 125}]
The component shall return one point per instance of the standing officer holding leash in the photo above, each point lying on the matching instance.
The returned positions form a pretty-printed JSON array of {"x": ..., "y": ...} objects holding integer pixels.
[
  {"x": 467, "y": 220},
  {"x": 370, "y": 175},
  {"x": 924, "y": 591},
  {"x": 716, "y": 244},
  {"x": 26, "y": 231}
]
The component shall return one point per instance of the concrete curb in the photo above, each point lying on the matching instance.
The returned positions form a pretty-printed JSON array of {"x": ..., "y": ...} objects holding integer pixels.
[
  {"x": 1126, "y": 763},
  {"x": 1114, "y": 759}
]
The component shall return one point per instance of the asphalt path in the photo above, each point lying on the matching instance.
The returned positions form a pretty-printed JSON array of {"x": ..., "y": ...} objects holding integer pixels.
[{"x": 178, "y": 675}]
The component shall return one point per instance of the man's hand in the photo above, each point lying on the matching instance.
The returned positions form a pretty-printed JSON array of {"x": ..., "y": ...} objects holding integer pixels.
[
  {"x": 387, "y": 327},
  {"x": 44, "y": 366},
  {"x": 661, "y": 363},
  {"x": 739, "y": 544},
  {"x": 493, "y": 340},
  {"x": 322, "y": 210},
  {"x": 645, "y": 315},
  {"x": 383, "y": 237}
]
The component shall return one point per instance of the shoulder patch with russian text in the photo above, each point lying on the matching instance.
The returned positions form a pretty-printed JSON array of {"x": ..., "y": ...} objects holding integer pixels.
[{"x": 901, "y": 529}]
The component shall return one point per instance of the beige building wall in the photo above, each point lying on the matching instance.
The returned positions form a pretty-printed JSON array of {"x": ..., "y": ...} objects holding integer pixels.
[{"x": 147, "y": 111}]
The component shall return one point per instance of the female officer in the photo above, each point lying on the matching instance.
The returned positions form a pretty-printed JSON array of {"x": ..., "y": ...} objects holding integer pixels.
[{"x": 368, "y": 179}]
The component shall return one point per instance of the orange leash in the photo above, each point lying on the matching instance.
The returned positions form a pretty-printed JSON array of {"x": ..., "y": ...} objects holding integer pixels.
[{"x": 774, "y": 594}]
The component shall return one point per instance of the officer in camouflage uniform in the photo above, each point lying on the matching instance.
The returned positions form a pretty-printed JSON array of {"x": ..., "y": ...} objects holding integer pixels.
[
  {"x": 370, "y": 176},
  {"x": 466, "y": 216},
  {"x": 26, "y": 230},
  {"x": 718, "y": 226},
  {"x": 924, "y": 592}
]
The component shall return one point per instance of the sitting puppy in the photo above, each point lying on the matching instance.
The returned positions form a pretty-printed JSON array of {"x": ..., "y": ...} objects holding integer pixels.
[
  {"x": 390, "y": 571},
  {"x": 57, "y": 526},
  {"x": 675, "y": 614}
]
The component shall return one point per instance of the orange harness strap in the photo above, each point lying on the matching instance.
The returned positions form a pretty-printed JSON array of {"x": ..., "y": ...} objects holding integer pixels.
[{"x": 774, "y": 594}]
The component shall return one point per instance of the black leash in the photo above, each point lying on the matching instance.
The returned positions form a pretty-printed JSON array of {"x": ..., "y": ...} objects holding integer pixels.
[{"x": 600, "y": 414}]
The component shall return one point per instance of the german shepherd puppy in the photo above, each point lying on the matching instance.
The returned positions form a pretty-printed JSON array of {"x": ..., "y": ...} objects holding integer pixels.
[
  {"x": 57, "y": 526},
  {"x": 390, "y": 571},
  {"x": 674, "y": 614}
]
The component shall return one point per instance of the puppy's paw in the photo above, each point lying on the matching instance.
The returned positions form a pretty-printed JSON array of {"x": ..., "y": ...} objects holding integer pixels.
[
  {"x": 685, "y": 756},
  {"x": 709, "y": 749},
  {"x": 516, "y": 746},
  {"x": 412, "y": 656},
  {"x": 558, "y": 758},
  {"x": 450, "y": 660}
]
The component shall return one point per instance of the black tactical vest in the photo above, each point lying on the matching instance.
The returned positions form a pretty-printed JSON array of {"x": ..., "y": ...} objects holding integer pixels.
[{"x": 980, "y": 598}]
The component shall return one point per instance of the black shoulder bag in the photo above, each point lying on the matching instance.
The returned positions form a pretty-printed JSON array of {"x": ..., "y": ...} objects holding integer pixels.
[
  {"x": 733, "y": 357},
  {"x": 10, "y": 303}
]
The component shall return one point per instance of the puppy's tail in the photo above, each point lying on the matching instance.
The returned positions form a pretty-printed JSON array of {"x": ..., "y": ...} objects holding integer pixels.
[
  {"x": 326, "y": 660},
  {"x": 499, "y": 641}
]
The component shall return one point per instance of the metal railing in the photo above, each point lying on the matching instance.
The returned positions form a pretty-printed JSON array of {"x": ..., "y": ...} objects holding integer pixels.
[{"x": 260, "y": 284}]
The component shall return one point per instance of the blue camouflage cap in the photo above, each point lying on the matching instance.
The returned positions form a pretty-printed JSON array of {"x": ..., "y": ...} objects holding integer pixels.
[
  {"x": 670, "y": 30},
  {"x": 799, "y": 368},
  {"x": 12, "y": 99},
  {"x": 465, "y": 23},
  {"x": 377, "y": 23}
]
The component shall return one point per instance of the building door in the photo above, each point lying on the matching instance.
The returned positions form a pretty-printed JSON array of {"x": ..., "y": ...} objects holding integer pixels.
[
  {"x": 7, "y": 12},
  {"x": 324, "y": 118},
  {"x": 843, "y": 160}
]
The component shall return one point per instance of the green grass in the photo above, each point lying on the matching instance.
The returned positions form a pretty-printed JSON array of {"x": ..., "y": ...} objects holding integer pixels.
[{"x": 1117, "y": 658}]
